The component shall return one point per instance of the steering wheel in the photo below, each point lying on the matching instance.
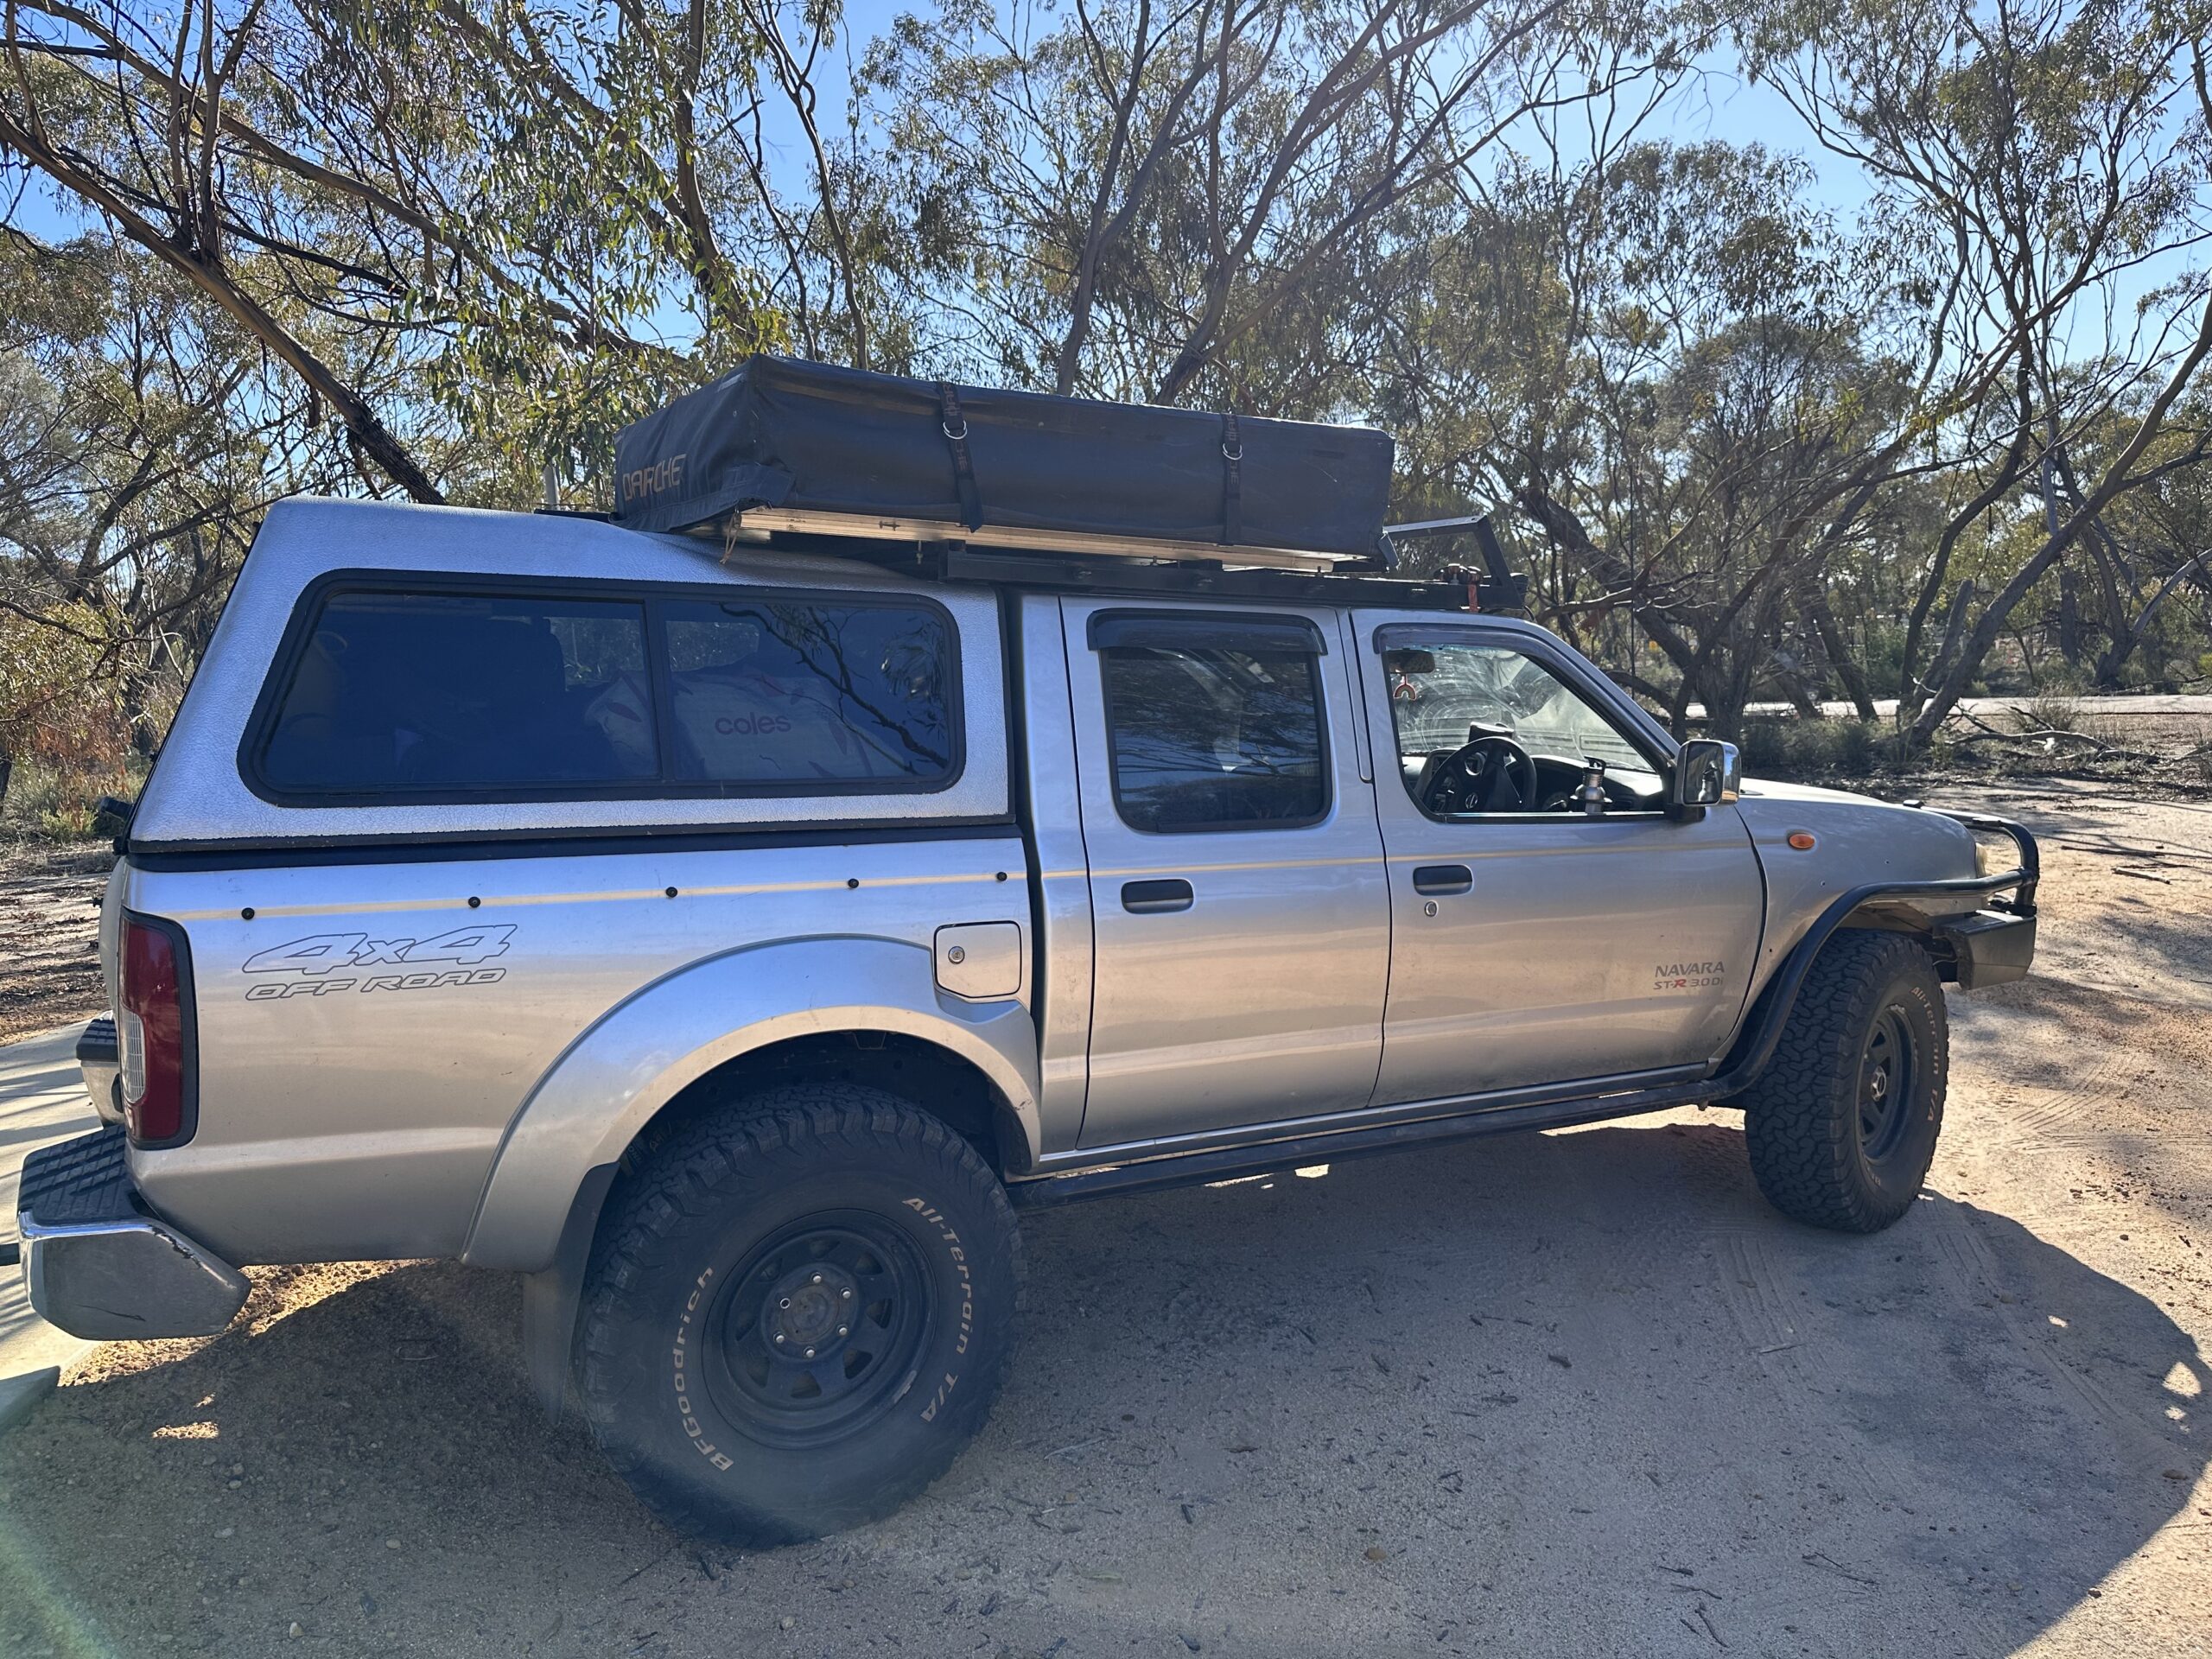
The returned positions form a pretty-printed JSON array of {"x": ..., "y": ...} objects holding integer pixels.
[{"x": 1490, "y": 773}]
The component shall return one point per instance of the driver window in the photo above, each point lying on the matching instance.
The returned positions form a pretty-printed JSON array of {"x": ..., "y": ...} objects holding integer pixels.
[{"x": 1484, "y": 728}]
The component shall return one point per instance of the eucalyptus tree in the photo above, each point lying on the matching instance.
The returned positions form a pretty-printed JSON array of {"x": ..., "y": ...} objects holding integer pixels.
[
  {"x": 1122, "y": 197},
  {"x": 141, "y": 437},
  {"x": 2032, "y": 160},
  {"x": 1664, "y": 359},
  {"x": 481, "y": 233}
]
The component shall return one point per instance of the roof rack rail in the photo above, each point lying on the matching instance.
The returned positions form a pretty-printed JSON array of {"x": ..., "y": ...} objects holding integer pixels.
[
  {"x": 957, "y": 561},
  {"x": 759, "y": 524},
  {"x": 1020, "y": 569},
  {"x": 1009, "y": 557}
]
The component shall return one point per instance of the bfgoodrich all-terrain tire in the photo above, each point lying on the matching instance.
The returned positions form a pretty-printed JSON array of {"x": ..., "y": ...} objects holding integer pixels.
[
  {"x": 797, "y": 1314},
  {"x": 1841, "y": 1126}
]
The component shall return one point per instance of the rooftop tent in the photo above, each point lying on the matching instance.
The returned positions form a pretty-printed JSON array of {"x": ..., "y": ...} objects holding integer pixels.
[{"x": 797, "y": 447}]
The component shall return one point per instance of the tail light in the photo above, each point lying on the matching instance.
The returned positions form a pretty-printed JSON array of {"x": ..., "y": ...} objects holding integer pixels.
[{"x": 153, "y": 1032}]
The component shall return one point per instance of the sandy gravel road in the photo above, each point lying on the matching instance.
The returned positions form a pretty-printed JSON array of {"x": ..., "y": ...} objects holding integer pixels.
[
  {"x": 1573, "y": 1394},
  {"x": 49, "y": 928}
]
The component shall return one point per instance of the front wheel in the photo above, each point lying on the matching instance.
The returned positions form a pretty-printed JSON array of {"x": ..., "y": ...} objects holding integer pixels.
[
  {"x": 1841, "y": 1126},
  {"x": 798, "y": 1314}
]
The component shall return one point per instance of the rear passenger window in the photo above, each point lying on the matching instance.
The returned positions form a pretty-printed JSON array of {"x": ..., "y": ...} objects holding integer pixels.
[
  {"x": 446, "y": 696},
  {"x": 805, "y": 691},
  {"x": 420, "y": 693},
  {"x": 1207, "y": 736}
]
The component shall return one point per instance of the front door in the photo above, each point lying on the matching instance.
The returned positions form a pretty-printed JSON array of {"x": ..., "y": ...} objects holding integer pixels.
[
  {"x": 1236, "y": 876},
  {"x": 1533, "y": 943}
]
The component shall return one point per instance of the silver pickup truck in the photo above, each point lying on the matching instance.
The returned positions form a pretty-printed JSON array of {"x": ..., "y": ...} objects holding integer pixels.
[{"x": 735, "y": 946}]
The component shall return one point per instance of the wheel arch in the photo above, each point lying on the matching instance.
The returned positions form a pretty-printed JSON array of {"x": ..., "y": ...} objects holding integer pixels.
[
  {"x": 863, "y": 1009},
  {"x": 1774, "y": 996},
  {"x": 1940, "y": 913}
]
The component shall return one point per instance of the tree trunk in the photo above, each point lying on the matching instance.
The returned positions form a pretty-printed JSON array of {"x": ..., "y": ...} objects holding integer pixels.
[
  {"x": 1847, "y": 668},
  {"x": 1956, "y": 668},
  {"x": 133, "y": 698},
  {"x": 1721, "y": 694},
  {"x": 2117, "y": 479},
  {"x": 1953, "y": 625},
  {"x": 2069, "y": 619}
]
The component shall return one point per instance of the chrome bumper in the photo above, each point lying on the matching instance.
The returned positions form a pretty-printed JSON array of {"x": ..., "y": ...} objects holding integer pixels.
[{"x": 102, "y": 1266}]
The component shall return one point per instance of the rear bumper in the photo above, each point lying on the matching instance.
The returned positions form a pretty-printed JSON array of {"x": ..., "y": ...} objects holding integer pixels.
[
  {"x": 101, "y": 1065},
  {"x": 102, "y": 1266}
]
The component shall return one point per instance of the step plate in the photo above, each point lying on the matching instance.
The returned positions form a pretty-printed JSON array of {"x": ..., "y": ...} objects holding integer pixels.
[{"x": 101, "y": 1265}]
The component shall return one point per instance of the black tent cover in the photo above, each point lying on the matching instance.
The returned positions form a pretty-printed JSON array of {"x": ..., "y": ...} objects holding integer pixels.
[{"x": 782, "y": 433}]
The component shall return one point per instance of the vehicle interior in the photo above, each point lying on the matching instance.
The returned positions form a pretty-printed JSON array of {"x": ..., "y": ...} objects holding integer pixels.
[
  {"x": 399, "y": 691},
  {"x": 1482, "y": 729}
]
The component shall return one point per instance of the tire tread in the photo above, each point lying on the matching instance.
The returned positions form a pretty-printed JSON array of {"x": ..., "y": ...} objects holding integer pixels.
[
  {"x": 685, "y": 1179},
  {"x": 1799, "y": 1125}
]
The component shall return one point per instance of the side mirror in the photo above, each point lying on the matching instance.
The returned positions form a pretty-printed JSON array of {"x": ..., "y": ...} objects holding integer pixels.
[{"x": 1708, "y": 773}]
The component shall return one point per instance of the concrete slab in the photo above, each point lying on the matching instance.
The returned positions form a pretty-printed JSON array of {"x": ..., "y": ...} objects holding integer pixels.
[{"x": 41, "y": 1100}]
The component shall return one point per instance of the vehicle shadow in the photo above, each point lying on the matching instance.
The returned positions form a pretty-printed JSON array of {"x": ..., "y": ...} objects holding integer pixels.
[{"x": 1574, "y": 1392}]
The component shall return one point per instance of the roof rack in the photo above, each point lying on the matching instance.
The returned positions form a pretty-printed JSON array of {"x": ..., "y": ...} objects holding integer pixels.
[
  {"x": 759, "y": 524},
  {"x": 1497, "y": 586},
  {"x": 1008, "y": 568},
  {"x": 998, "y": 567}
]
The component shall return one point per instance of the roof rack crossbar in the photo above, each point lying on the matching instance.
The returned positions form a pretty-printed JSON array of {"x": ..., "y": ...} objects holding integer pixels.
[
  {"x": 1499, "y": 588},
  {"x": 952, "y": 561}
]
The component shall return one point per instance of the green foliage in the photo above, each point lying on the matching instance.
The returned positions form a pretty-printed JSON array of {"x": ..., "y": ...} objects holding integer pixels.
[
  {"x": 1812, "y": 749},
  {"x": 52, "y": 701},
  {"x": 56, "y": 800}
]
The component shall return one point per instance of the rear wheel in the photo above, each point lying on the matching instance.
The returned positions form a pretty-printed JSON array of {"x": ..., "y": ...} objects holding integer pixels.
[
  {"x": 797, "y": 1313},
  {"x": 1842, "y": 1125}
]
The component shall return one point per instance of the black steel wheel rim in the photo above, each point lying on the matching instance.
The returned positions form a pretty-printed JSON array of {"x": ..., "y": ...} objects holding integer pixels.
[
  {"x": 1886, "y": 1079},
  {"x": 816, "y": 1331}
]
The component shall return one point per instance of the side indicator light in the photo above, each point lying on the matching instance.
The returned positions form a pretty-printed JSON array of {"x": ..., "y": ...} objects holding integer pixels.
[{"x": 1801, "y": 840}]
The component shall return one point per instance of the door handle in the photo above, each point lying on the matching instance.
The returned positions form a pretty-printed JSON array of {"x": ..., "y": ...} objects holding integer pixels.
[
  {"x": 1443, "y": 878},
  {"x": 1154, "y": 897}
]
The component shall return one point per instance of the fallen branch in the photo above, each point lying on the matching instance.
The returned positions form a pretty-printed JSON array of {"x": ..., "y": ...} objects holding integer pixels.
[{"x": 2047, "y": 737}]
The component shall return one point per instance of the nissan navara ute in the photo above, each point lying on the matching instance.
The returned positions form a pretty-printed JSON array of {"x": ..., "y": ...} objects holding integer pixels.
[{"x": 733, "y": 940}]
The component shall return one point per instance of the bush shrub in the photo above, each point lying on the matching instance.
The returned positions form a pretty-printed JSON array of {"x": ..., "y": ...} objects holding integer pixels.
[
  {"x": 1814, "y": 748},
  {"x": 56, "y": 801}
]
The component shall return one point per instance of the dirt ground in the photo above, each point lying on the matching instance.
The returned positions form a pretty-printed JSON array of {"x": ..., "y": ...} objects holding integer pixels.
[
  {"x": 1566, "y": 1393},
  {"x": 49, "y": 917}
]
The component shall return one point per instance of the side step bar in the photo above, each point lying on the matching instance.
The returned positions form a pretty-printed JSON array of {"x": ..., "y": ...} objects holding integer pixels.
[{"x": 1228, "y": 1163}]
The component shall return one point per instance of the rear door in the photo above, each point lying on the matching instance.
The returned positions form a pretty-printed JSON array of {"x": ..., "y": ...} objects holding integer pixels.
[
  {"x": 1534, "y": 944},
  {"x": 1237, "y": 874}
]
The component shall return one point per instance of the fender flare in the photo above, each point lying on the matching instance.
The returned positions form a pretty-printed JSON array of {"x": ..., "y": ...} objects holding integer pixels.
[
  {"x": 1760, "y": 1033},
  {"x": 608, "y": 1085}
]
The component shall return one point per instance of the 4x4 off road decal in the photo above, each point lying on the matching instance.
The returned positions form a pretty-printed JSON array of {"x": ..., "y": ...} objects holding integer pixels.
[{"x": 317, "y": 960}]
